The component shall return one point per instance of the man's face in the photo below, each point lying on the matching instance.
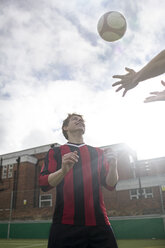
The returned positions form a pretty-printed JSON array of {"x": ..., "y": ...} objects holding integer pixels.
[{"x": 76, "y": 123}]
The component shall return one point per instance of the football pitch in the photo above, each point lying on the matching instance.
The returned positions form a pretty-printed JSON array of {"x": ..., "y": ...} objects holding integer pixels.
[{"x": 30, "y": 243}]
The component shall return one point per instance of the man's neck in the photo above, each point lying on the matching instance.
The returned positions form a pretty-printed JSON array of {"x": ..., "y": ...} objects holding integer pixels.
[{"x": 76, "y": 139}]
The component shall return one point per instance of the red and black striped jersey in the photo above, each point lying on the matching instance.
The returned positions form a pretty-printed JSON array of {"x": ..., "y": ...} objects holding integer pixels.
[{"x": 79, "y": 199}]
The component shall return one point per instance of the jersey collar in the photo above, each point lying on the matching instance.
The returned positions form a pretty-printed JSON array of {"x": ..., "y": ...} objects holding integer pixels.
[{"x": 75, "y": 145}]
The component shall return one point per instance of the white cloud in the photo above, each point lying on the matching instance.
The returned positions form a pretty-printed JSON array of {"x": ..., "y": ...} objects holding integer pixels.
[{"x": 53, "y": 62}]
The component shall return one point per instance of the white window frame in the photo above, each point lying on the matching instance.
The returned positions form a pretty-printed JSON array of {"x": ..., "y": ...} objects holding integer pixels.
[
  {"x": 148, "y": 194},
  {"x": 4, "y": 171},
  {"x": 42, "y": 201},
  {"x": 137, "y": 194},
  {"x": 10, "y": 170}
]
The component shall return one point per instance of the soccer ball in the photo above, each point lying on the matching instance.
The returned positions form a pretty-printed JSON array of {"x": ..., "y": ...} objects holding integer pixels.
[{"x": 112, "y": 26}]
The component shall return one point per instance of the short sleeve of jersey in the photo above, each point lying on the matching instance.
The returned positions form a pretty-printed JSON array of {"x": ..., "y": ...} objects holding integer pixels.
[
  {"x": 49, "y": 166},
  {"x": 104, "y": 171}
]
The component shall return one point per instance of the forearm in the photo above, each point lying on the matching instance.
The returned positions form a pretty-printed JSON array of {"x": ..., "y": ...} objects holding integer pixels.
[
  {"x": 112, "y": 176},
  {"x": 154, "y": 68},
  {"x": 55, "y": 178}
]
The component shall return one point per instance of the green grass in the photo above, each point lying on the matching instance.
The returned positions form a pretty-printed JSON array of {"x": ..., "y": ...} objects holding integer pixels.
[
  {"x": 146, "y": 243},
  {"x": 29, "y": 243},
  {"x": 23, "y": 243}
]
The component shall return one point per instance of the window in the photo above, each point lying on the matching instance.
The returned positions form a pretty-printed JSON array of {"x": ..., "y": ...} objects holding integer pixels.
[
  {"x": 10, "y": 171},
  {"x": 148, "y": 193},
  {"x": 7, "y": 171},
  {"x": 45, "y": 201},
  {"x": 141, "y": 193},
  {"x": 4, "y": 171}
]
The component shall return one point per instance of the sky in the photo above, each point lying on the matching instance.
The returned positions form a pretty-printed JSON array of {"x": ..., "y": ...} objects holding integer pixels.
[{"x": 53, "y": 62}]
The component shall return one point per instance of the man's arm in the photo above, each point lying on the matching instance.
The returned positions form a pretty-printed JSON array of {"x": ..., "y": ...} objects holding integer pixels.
[
  {"x": 55, "y": 178},
  {"x": 68, "y": 161},
  {"x": 112, "y": 176},
  {"x": 130, "y": 80},
  {"x": 154, "y": 68}
]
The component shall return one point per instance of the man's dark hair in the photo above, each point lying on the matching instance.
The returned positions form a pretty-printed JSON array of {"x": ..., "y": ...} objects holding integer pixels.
[{"x": 66, "y": 121}]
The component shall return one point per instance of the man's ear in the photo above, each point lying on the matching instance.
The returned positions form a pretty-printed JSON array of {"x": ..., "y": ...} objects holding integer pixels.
[{"x": 65, "y": 128}]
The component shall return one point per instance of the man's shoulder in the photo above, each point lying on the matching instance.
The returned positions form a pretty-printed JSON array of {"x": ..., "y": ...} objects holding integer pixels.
[
  {"x": 54, "y": 149},
  {"x": 95, "y": 148}
]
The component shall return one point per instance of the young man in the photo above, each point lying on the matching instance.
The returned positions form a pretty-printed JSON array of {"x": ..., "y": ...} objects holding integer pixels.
[
  {"x": 154, "y": 68},
  {"x": 78, "y": 172}
]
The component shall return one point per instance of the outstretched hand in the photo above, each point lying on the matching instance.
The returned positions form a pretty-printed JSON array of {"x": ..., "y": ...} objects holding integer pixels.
[
  {"x": 157, "y": 95},
  {"x": 127, "y": 81}
]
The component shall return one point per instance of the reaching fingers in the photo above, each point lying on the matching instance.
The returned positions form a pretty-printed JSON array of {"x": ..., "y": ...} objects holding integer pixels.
[
  {"x": 150, "y": 99},
  {"x": 124, "y": 93},
  {"x": 119, "y": 88},
  {"x": 118, "y": 76},
  {"x": 117, "y": 83},
  {"x": 163, "y": 83},
  {"x": 123, "y": 76},
  {"x": 155, "y": 93},
  {"x": 129, "y": 70}
]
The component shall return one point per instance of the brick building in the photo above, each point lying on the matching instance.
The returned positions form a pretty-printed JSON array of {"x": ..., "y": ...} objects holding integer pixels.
[{"x": 140, "y": 190}]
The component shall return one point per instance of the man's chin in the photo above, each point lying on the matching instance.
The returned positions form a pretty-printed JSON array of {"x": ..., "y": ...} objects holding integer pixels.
[{"x": 82, "y": 130}]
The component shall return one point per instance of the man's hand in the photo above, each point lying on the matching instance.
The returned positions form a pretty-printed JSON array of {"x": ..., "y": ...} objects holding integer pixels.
[
  {"x": 111, "y": 157},
  {"x": 68, "y": 161},
  {"x": 127, "y": 81},
  {"x": 157, "y": 95},
  {"x": 112, "y": 176}
]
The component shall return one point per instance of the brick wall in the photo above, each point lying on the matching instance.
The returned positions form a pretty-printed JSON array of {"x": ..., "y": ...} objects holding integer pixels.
[{"x": 27, "y": 192}]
